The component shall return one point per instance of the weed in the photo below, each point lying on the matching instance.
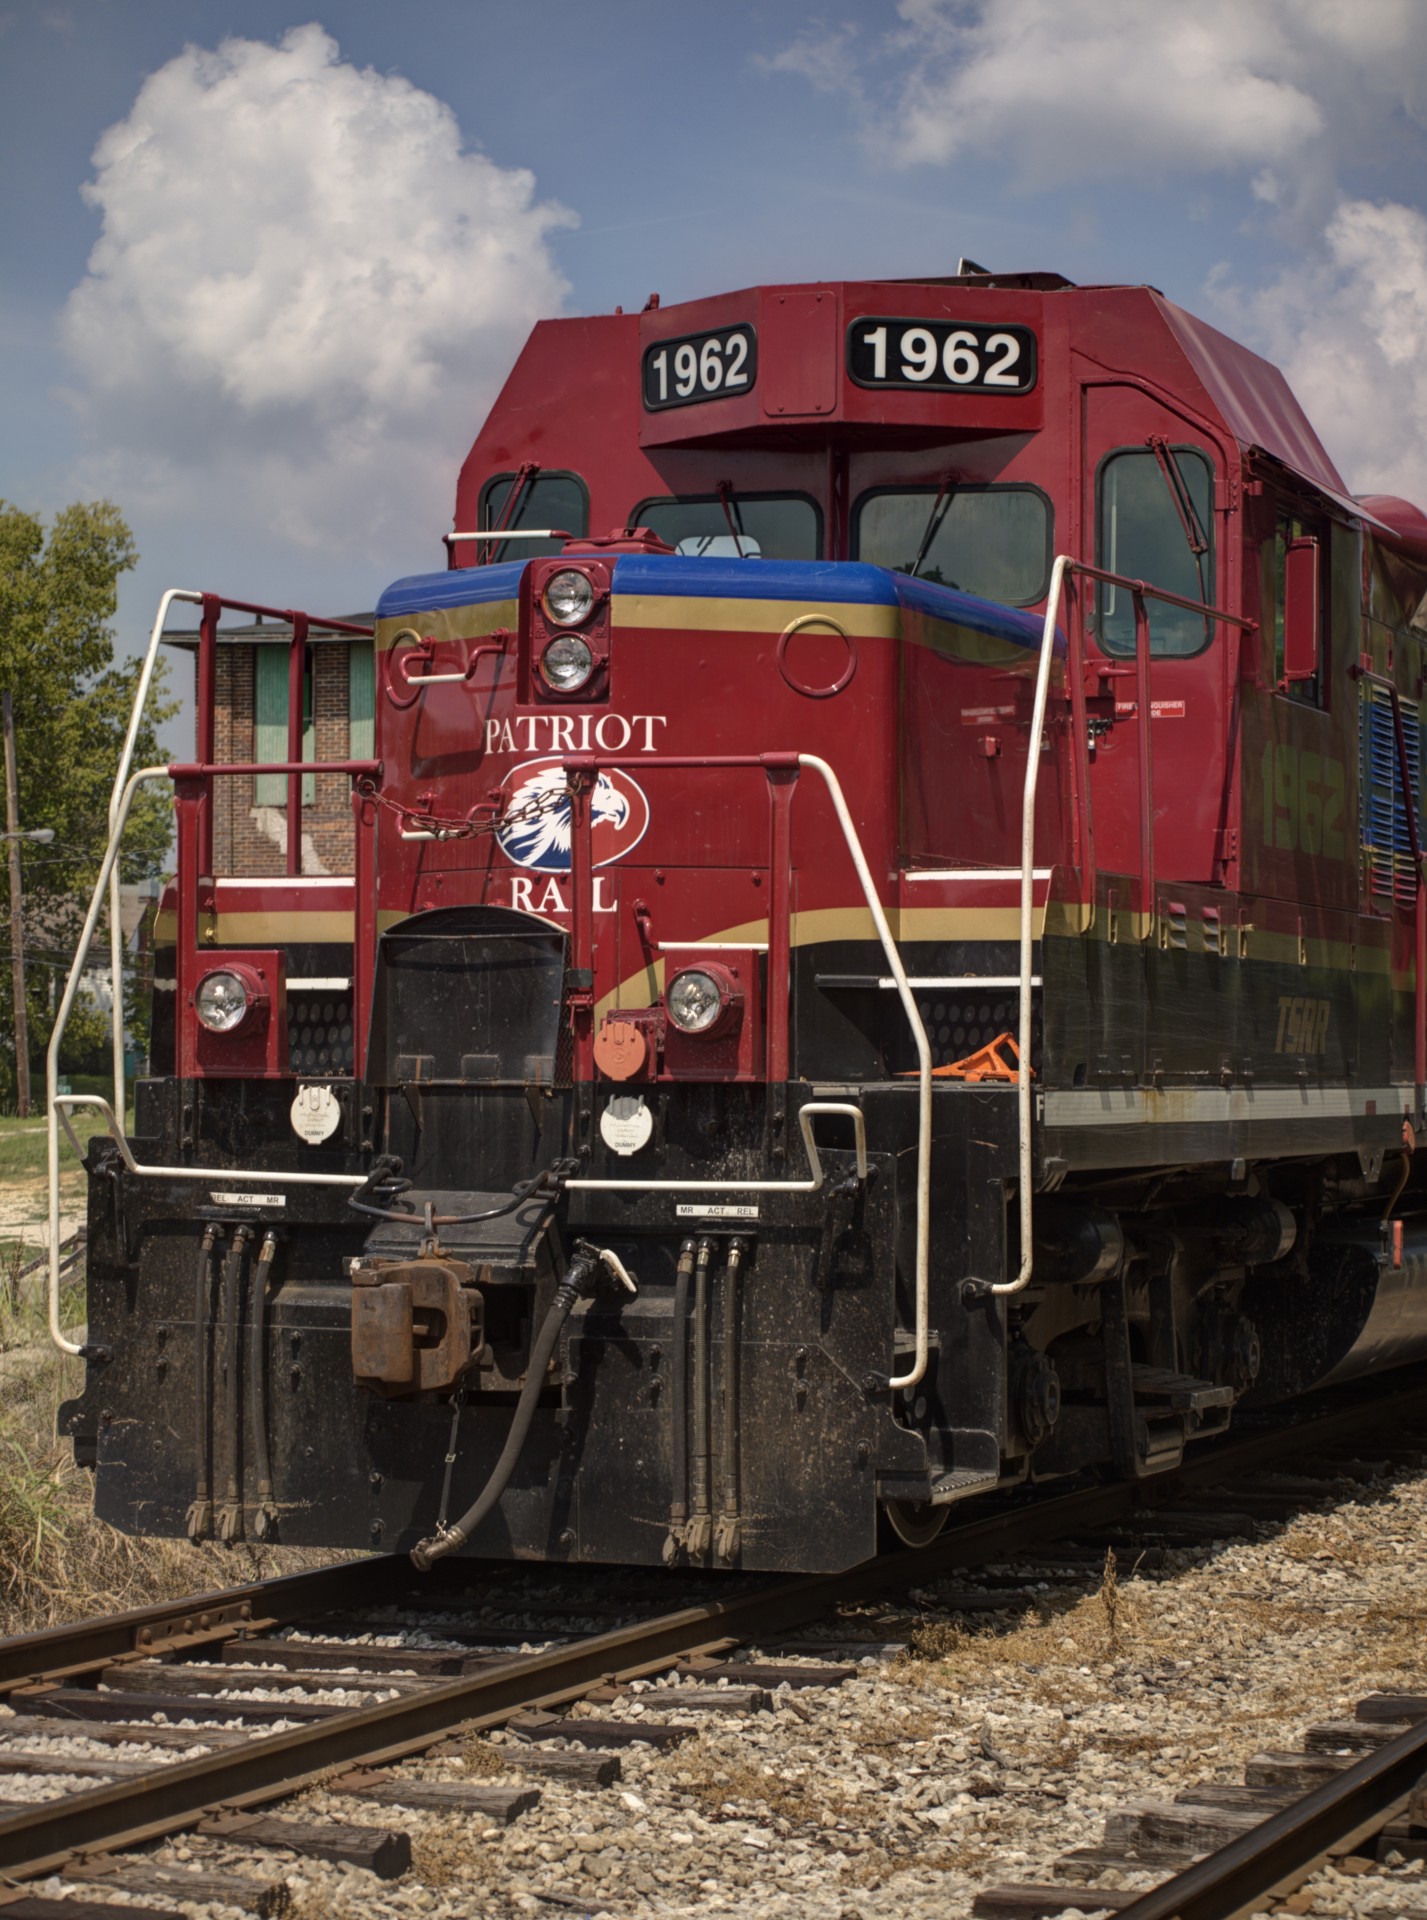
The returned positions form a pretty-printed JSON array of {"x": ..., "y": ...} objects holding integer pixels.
[{"x": 1110, "y": 1600}]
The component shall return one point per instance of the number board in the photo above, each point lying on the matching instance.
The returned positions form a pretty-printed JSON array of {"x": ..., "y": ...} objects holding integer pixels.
[
  {"x": 699, "y": 366},
  {"x": 941, "y": 356}
]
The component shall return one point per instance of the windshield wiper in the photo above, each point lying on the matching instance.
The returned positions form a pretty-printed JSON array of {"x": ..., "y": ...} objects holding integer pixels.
[
  {"x": 941, "y": 506},
  {"x": 728, "y": 501},
  {"x": 486, "y": 552},
  {"x": 1184, "y": 505}
]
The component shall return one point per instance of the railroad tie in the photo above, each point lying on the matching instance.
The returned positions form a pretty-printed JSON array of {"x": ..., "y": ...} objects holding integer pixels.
[{"x": 497, "y": 1805}]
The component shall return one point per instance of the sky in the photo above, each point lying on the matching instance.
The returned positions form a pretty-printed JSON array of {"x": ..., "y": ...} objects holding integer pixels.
[{"x": 264, "y": 268}]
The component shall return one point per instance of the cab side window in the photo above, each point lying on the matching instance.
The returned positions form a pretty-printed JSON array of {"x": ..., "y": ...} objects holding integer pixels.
[
  {"x": 556, "y": 500},
  {"x": 1155, "y": 522}
]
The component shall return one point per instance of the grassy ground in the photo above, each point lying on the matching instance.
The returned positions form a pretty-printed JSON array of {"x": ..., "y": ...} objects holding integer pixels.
[
  {"x": 57, "y": 1562},
  {"x": 23, "y": 1144}
]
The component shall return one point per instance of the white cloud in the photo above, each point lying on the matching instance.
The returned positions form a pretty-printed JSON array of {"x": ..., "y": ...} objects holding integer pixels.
[
  {"x": 1060, "y": 90},
  {"x": 1349, "y": 329},
  {"x": 1090, "y": 87},
  {"x": 304, "y": 295},
  {"x": 1289, "y": 99}
]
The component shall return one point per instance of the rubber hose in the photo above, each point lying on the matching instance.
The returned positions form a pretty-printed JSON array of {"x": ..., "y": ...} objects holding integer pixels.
[
  {"x": 200, "y": 1514},
  {"x": 257, "y": 1388},
  {"x": 427, "y": 1552}
]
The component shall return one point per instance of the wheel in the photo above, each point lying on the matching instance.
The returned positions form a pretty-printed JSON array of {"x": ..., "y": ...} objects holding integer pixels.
[{"x": 915, "y": 1524}]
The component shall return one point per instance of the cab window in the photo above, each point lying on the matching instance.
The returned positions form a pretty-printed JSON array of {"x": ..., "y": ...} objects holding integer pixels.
[
  {"x": 557, "y": 500},
  {"x": 751, "y": 526},
  {"x": 1155, "y": 509},
  {"x": 994, "y": 542}
]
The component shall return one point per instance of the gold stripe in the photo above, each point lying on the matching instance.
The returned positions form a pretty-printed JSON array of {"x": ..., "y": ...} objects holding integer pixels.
[
  {"x": 729, "y": 615},
  {"x": 834, "y": 923},
  {"x": 260, "y": 929},
  {"x": 452, "y": 623}
]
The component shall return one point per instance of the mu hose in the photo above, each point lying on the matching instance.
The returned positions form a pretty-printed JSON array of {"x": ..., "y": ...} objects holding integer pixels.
[{"x": 448, "y": 1539}]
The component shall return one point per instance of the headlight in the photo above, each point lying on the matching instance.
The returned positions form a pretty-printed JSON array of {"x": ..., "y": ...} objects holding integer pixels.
[
  {"x": 568, "y": 597},
  {"x": 694, "y": 1000},
  {"x": 566, "y": 663},
  {"x": 221, "y": 1001}
]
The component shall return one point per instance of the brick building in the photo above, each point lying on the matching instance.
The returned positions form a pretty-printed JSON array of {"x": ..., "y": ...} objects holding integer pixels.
[{"x": 250, "y": 812}]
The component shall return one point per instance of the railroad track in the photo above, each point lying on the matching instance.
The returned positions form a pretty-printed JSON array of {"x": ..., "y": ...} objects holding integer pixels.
[
  {"x": 339, "y": 1677},
  {"x": 1354, "y": 1791}
]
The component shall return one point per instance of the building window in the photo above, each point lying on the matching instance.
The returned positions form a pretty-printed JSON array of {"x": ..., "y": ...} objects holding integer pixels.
[
  {"x": 270, "y": 713},
  {"x": 361, "y": 701}
]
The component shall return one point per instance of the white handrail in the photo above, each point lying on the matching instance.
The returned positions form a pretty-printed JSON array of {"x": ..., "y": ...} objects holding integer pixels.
[
  {"x": 107, "y": 868},
  {"x": 126, "y": 758},
  {"x": 145, "y": 1171},
  {"x": 924, "y": 1092},
  {"x": 1028, "y": 872},
  {"x": 924, "y": 1065}
]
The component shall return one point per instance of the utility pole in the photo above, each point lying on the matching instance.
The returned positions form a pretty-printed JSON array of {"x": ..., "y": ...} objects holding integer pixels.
[{"x": 17, "y": 913}]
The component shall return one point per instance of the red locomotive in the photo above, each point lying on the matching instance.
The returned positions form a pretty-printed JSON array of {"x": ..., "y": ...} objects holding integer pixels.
[{"x": 896, "y": 971}]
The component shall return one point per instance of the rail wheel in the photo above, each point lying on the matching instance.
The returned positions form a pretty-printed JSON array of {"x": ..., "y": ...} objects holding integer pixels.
[{"x": 915, "y": 1523}]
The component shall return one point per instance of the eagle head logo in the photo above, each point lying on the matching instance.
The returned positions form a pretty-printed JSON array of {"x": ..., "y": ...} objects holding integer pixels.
[{"x": 535, "y": 831}]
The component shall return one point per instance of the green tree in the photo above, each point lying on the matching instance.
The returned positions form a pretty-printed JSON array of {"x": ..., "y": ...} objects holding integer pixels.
[{"x": 72, "y": 699}]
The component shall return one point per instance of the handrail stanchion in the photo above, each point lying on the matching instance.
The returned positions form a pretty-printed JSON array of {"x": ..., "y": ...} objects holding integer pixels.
[
  {"x": 582, "y": 774},
  {"x": 782, "y": 773},
  {"x": 190, "y": 792},
  {"x": 296, "y": 681},
  {"x": 1080, "y": 758},
  {"x": 364, "y": 923},
  {"x": 1142, "y": 697}
]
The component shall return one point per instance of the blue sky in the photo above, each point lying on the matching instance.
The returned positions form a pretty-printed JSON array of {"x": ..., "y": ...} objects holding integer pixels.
[{"x": 264, "y": 267}]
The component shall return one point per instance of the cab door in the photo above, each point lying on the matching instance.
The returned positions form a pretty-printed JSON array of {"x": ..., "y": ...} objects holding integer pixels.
[{"x": 1155, "y": 494}]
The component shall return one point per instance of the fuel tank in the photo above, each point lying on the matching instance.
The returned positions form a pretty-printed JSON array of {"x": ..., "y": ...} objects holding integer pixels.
[{"x": 1360, "y": 1308}]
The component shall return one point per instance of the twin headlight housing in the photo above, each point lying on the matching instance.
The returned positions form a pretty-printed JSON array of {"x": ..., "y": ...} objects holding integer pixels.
[{"x": 568, "y": 661}]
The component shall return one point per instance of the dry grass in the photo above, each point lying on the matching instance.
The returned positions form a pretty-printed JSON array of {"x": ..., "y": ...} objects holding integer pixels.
[{"x": 57, "y": 1562}]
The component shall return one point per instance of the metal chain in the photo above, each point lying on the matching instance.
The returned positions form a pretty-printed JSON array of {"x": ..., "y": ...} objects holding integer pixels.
[{"x": 451, "y": 827}]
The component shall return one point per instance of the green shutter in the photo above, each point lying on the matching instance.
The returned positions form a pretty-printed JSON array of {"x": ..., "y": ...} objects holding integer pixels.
[
  {"x": 270, "y": 711},
  {"x": 361, "y": 701}
]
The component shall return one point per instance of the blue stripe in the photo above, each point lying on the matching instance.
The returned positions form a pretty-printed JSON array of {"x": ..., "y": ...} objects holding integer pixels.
[
  {"x": 687, "y": 577},
  {"x": 464, "y": 587}
]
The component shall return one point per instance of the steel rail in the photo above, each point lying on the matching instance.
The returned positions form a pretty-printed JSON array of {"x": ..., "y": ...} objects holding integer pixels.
[
  {"x": 26, "y": 1657},
  {"x": 1289, "y": 1844},
  {"x": 41, "y": 1838}
]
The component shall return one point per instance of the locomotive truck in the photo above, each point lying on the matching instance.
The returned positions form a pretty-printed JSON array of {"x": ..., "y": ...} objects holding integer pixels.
[{"x": 883, "y": 959}]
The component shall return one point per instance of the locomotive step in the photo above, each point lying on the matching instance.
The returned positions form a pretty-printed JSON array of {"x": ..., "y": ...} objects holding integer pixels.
[{"x": 1182, "y": 1391}]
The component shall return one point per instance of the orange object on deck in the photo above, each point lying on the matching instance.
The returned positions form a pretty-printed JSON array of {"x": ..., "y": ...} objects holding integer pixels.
[{"x": 987, "y": 1063}]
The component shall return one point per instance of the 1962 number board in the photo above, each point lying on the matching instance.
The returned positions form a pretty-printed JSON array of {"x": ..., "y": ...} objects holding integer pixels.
[
  {"x": 700, "y": 366},
  {"x": 941, "y": 356}
]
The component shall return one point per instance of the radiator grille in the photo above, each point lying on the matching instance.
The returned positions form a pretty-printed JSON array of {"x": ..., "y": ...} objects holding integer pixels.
[{"x": 319, "y": 1031}]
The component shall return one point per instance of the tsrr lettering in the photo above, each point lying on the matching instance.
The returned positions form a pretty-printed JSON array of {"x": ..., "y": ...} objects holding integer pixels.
[{"x": 1302, "y": 1025}]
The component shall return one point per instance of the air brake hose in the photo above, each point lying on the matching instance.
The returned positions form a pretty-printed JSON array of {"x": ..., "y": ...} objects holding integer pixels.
[{"x": 589, "y": 1269}]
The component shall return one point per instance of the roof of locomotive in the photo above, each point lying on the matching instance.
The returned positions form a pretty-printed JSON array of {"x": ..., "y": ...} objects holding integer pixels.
[{"x": 576, "y": 381}]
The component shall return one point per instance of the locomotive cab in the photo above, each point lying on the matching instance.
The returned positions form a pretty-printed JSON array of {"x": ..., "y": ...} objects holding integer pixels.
[{"x": 894, "y": 971}]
